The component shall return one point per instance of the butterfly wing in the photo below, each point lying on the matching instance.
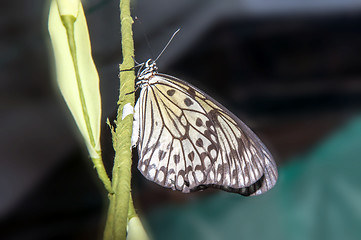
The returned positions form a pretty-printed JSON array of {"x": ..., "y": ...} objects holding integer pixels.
[{"x": 187, "y": 140}]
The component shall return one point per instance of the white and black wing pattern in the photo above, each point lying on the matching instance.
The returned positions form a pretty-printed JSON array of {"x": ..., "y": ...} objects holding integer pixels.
[{"x": 187, "y": 141}]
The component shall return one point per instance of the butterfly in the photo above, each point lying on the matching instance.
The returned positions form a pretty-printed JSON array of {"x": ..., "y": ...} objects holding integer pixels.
[{"x": 187, "y": 141}]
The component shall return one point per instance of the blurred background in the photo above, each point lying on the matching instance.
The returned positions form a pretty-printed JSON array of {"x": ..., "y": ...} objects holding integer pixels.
[{"x": 291, "y": 70}]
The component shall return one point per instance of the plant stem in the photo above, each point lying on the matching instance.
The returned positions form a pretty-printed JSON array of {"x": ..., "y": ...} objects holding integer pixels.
[{"x": 119, "y": 201}]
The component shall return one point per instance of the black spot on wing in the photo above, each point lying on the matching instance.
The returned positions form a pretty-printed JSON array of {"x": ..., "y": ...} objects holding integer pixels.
[
  {"x": 199, "y": 142},
  {"x": 161, "y": 154},
  {"x": 176, "y": 158},
  {"x": 213, "y": 116},
  {"x": 191, "y": 91},
  {"x": 191, "y": 156},
  {"x": 186, "y": 183},
  {"x": 171, "y": 92},
  {"x": 188, "y": 102},
  {"x": 199, "y": 122},
  {"x": 211, "y": 147}
]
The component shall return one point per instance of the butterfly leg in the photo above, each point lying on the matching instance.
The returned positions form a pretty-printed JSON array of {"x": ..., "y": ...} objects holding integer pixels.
[{"x": 136, "y": 89}]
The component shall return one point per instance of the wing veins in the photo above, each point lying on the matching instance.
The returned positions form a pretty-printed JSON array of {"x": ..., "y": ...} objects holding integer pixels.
[
  {"x": 250, "y": 141},
  {"x": 234, "y": 162},
  {"x": 143, "y": 133},
  {"x": 238, "y": 153},
  {"x": 152, "y": 122},
  {"x": 153, "y": 151},
  {"x": 165, "y": 106},
  {"x": 160, "y": 134},
  {"x": 170, "y": 152},
  {"x": 198, "y": 154},
  {"x": 257, "y": 155},
  {"x": 185, "y": 166},
  {"x": 183, "y": 90}
]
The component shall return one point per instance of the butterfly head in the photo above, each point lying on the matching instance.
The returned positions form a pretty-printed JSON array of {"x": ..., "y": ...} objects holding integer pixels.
[{"x": 148, "y": 70}]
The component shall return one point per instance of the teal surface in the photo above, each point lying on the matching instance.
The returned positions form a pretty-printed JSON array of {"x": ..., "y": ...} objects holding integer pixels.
[{"x": 318, "y": 196}]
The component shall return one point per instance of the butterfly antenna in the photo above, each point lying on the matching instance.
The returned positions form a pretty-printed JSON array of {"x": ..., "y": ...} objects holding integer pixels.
[
  {"x": 170, "y": 40},
  {"x": 145, "y": 36},
  {"x": 137, "y": 63}
]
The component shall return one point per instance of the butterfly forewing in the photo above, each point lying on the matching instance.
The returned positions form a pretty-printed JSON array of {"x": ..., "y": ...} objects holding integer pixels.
[{"x": 187, "y": 140}]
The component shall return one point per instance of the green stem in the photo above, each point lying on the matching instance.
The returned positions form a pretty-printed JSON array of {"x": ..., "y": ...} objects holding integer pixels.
[
  {"x": 68, "y": 22},
  {"x": 102, "y": 174},
  {"x": 117, "y": 221}
]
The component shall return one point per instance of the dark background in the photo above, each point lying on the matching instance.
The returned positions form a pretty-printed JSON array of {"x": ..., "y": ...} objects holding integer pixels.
[{"x": 291, "y": 70}]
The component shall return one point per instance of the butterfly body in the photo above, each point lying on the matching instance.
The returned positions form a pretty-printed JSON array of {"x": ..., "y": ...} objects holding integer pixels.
[{"x": 188, "y": 141}]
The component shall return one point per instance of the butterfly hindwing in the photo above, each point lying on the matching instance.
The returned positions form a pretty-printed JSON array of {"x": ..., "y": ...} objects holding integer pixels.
[
  {"x": 243, "y": 159},
  {"x": 188, "y": 141}
]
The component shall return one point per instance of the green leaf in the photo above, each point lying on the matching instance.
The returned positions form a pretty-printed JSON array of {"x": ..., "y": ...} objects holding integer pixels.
[{"x": 77, "y": 76}]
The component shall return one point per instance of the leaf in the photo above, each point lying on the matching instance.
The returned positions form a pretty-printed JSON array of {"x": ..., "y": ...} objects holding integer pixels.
[{"x": 77, "y": 75}]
